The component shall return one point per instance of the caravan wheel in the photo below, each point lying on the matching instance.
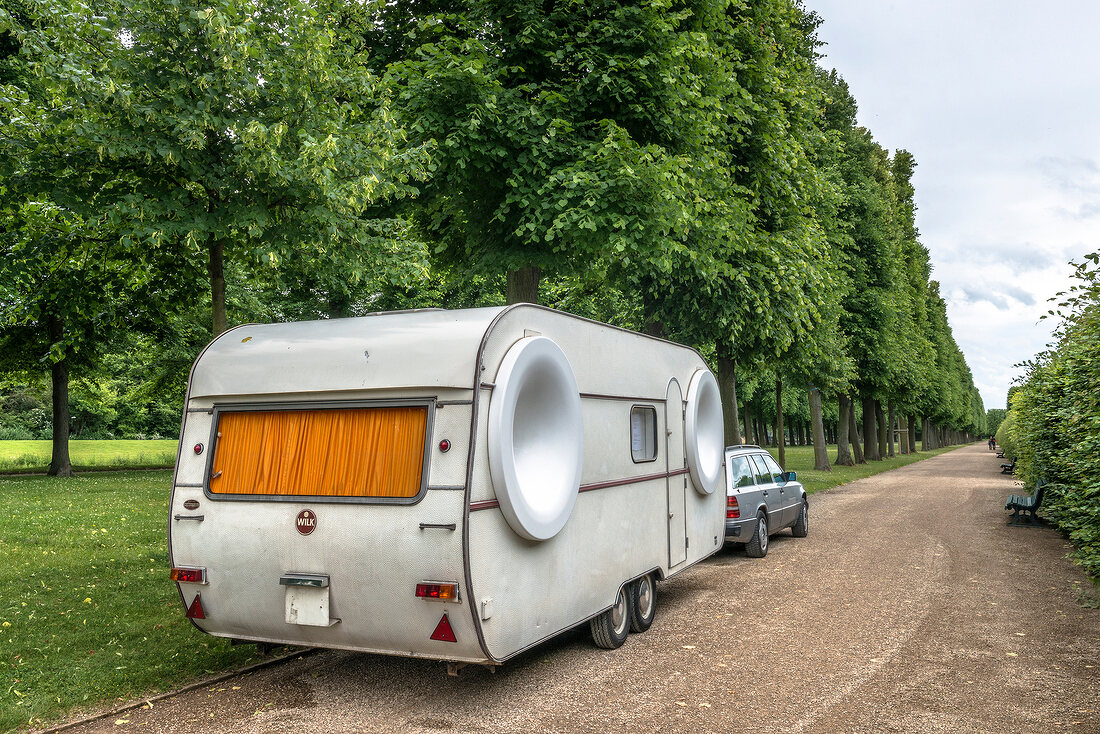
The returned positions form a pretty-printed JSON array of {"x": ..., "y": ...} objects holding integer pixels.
[
  {"x": 609, "y": 629},
  {"x": 643, "y": 603}
]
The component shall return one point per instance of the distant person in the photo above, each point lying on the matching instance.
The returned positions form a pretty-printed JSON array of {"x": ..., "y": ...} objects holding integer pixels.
[{"x": 992, "y": 443}]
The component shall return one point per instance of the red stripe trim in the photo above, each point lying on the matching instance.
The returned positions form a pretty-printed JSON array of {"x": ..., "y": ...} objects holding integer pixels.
[
  {"x": 631, "y": 480},
  {"x": 489, "y": 504}
]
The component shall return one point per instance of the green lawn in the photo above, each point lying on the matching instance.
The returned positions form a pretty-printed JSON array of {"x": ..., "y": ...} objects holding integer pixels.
[
  {"x": 34, "y": 456},
  {"x": 800, "y": 459},
  {"x": 87, "y": 613}
]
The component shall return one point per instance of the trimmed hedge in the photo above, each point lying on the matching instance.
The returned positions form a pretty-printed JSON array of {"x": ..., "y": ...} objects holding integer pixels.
[{"x": 1057, "y": 420}]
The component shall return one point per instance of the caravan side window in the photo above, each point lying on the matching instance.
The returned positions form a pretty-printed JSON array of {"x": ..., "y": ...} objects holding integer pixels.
[{"x": 643, "y": 433}]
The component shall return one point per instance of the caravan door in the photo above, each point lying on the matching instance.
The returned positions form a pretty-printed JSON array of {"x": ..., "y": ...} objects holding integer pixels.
[{"x": 676, "y": 463}]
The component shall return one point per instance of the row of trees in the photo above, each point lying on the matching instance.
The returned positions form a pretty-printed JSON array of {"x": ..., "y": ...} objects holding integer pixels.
[
  {"x": 1052, "y": 428},
  {"x": 685, "y": 169}
]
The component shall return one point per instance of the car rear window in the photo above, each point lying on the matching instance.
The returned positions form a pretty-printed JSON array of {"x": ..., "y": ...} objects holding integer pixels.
[{"x": 331, "y": 452}]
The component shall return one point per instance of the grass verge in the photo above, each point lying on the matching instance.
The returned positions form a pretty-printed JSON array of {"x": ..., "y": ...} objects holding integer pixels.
[
  {"x": 34, "y": 456},
  {"x": 87, "y": 613},
  {"x": 800, "y": 460}
]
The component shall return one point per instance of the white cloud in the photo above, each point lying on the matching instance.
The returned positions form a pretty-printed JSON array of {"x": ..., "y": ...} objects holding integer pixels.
[{"x": 999, "y": 102}]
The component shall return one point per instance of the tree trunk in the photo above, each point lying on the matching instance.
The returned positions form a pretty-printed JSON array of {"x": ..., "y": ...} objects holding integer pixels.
[
  {"x": 912, "y": 434},
  {"x": 780, "y": 442},
  {"x": 59, "y": 376},
  {"x": 853, "y": 431},
  {"x": 216, "y": 271},
  {"x": 870, "y": 435},
  {"x": 891, "y": 435},
  {"x": 883, "y": 430},
  {"x": 338, "y": 306},
  {"x": 821, "y": 452},
  {"x": 727, "y": 390},
  {"x": 843, "y": 453},
  {"x": 523, "y": 285},
  {"x": 747, "y": 417}
]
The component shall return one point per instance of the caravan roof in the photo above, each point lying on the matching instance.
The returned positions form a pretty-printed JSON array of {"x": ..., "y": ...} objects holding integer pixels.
[{"x": 427, "y": 348}]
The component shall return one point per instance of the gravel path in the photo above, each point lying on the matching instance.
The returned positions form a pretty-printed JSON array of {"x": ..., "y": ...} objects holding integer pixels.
[{"x": 911, "y": 607}]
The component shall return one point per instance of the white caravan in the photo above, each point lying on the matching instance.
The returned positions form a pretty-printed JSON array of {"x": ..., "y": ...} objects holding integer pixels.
[{"x": 454, "y": 485}]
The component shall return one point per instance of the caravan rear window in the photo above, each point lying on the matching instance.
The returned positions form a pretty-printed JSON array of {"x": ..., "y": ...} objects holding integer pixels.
[{"x": 361, "y": 452}]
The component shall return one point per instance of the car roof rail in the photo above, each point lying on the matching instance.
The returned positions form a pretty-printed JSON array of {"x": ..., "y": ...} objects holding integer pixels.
[{"x": 742, "y": 446}]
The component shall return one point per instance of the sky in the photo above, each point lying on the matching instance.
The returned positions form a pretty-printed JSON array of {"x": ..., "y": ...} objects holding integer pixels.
[{"x": 999, "y": 101}]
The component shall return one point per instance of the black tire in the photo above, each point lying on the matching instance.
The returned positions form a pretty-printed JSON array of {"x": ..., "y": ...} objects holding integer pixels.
[
  {"x": 801, "y": 527},
  {"x": 643, "y": 603},
  {"x": 757, "y": 547},
  {"x": 610, "y": 628}
]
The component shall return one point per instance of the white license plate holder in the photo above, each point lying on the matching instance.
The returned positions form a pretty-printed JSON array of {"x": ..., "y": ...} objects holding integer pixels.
[{"x": 307, "y": 600}]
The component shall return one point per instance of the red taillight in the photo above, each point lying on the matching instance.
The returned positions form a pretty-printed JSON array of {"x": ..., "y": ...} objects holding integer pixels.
[
  {"x": 733, "y": 512},
  {"x": 439, "y": 592},
  {"x": 188, "y": 575}
]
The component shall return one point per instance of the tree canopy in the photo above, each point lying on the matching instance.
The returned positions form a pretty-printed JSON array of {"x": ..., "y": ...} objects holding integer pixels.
[{"x": 686, "y": 168}]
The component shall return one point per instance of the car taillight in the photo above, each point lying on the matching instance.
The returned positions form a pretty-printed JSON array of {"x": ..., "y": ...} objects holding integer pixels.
[
  {"x": 188, "y": 575},
  {"x": 438, "y": 592},
  {"x": 733, "y": 512}
]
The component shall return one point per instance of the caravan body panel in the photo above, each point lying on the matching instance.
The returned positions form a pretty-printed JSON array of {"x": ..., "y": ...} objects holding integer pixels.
[{"x": 351, "y": 581}]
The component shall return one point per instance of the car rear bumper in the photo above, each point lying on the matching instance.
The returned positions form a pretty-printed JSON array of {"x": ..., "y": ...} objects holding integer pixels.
[{"x": 739, "y": 531}]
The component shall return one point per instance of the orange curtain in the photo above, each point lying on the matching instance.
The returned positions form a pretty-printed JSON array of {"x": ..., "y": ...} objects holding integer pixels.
[{"x": 342, "y": 452}]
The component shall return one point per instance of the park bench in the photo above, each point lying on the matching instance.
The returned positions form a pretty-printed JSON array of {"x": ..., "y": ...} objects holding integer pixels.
[
  {"x": 1000, "y": 454},
  {"x": 1008, "y": 468},
  {"x": 1026, "y": 506}
]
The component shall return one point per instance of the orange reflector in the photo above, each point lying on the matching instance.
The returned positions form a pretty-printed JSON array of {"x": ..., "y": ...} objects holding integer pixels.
[
  {"x": 195, "y": 611},
  {"x": 439, "y": 592},
  {"x": 188, "y": 575},
  {"x": 733, "y": 512},
  {"x": 443, "y": 631}
]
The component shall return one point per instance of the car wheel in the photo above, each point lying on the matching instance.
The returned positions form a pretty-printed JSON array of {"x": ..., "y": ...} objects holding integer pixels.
[
  {"x": 757, "y": 547},
  {"x": 801, "y": 526},
  {"x": 610, "y": 628},
  {"x": 643, "y": 603}
]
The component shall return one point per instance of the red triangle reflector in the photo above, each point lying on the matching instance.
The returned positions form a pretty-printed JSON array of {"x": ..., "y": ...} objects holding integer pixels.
[
  {"x": 443, "y": 631},
  {"x": 195, "y": 611}
]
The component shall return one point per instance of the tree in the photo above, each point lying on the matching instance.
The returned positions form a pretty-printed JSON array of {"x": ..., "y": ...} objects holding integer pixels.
[
  {"x": 761, "y": 277},
  {"x": 64, "y": 289},
  {"x": 556, "y": 130},
  {"x": 217, "y": 130},
  {"x": 994, "y": 417}
]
